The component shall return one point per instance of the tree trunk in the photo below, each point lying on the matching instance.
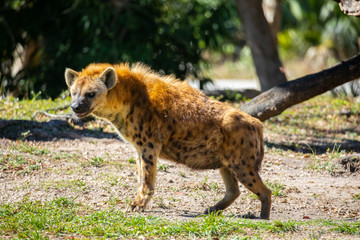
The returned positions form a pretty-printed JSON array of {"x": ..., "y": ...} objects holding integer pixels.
[
  {"x": 276, "y": 100},
  {"x": 272, "y": 11},
  {"x": 261, "y": 42}
]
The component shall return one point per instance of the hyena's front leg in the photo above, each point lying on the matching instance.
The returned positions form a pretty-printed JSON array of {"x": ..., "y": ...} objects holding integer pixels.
[{"x": 146, "y": 173}]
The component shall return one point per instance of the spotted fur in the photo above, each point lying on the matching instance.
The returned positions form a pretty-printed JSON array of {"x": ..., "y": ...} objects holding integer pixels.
[{"x": 163, "y": 117}]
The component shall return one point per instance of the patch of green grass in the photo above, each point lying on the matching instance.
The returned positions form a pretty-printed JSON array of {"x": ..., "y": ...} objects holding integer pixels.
[
  {"x": 325, "y": 162},
  {"x": 162, "y": 167},
  {"x": 18, "y": 163},
  {"x": 131, "y": 161},
  {"x": 230, "y": 96},
  {"x": 348, "y": 227},
  {"x": 276, "y": 188},
  {"x": 321, "y": 166},
  {"x": 76, "y": 185},
  {"x": 335, "y": 152},
  {"x": 159, "y": 201},
  {"x": 316, "y": 235},
  {"x": 62, "y": 217},
  {"x": 214, "y": 186},
  {"x": 319, "y": 117},
  {"x": 356, "y": 196},
  {"x": 113, "y": 201},
  {"x": 97, "y": 162},
  {"x": 113, "y": 180},
  {"x": 67, "y": 157},
  {"x": 13, "y": 108},
  {"x": 23, "y": 147},
  {"x": 12, "y": 161},
  {"x": 284, "y": 226},
  {"x": 33, "y": 167}
]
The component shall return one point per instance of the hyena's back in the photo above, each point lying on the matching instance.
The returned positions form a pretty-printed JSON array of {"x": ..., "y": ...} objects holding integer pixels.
[{"x": 204, "y": 133}]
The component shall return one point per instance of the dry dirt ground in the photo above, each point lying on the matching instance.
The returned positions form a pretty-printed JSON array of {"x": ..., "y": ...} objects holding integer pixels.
[
  {"x": 101, "y": 172},
  {"x": 47, "y": 160}
]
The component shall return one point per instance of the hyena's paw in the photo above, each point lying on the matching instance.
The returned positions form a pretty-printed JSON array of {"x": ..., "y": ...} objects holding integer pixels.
[
  {"x": 137, "y": 206},
  {"x": 140, "y": 203},
  {"x": 213, "y": 210}
]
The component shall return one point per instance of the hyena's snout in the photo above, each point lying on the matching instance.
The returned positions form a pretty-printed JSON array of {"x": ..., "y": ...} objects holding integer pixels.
[{"x": 80, "y": 107}]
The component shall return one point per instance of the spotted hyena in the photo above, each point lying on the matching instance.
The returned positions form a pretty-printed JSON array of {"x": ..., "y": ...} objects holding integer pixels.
[{"x": 165, "y": 118}]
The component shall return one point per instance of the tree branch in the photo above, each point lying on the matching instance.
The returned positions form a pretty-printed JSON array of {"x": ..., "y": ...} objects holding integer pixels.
[{"x": 274, "y": 101}]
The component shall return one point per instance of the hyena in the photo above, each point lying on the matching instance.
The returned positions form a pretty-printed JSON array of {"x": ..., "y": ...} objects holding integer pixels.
[{"x": 166, "y": 118}]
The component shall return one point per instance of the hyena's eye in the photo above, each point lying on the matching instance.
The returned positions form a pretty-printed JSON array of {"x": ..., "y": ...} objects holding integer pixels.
[
  {"x": 90, "y": 94},
  {"x": 73, "y": 93}
]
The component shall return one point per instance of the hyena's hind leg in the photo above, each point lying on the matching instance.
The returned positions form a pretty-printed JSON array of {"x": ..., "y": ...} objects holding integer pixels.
[
  {"x": 232, "y": 191},
  {"x": 252, "y": 181}
]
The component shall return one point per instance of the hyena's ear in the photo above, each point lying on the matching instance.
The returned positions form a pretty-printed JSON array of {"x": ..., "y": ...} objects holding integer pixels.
[
  {"x": 70, "y": 76},
  {"x": 109, "y": 77}
]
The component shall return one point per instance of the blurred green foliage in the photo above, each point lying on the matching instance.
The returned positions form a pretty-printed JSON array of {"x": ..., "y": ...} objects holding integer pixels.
[
  {"x": 167, "y": 35},
  {"x": 309, "y": 23}
]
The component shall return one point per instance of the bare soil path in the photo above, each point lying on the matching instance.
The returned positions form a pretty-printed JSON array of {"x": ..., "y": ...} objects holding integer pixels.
[{"x": 101, "y": 173}]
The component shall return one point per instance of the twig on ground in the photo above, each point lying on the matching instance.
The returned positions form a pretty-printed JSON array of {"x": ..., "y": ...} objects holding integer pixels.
[{"x": 63, "y": 117}]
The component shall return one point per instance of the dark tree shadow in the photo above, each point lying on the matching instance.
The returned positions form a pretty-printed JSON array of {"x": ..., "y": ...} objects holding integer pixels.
[
  {"x": 60, "y": 129},
  {"x": 320, "y": 142},
  {"x": 190, "y": 214},
  {"x": 46, "y": 131},
  {"x": 317, "y": 145}
]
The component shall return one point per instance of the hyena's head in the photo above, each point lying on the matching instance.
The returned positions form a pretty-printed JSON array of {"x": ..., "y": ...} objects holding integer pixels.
[{"x": 89, "y": 88}]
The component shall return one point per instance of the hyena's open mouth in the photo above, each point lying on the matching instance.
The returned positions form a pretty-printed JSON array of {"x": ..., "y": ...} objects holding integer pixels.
[{"x": 84, "y": 114}]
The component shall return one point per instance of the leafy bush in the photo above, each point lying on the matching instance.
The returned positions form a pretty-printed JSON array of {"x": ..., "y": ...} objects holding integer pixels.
[
  {"x": 306, "y": 23},
  {"x": 167, "y": 35}
]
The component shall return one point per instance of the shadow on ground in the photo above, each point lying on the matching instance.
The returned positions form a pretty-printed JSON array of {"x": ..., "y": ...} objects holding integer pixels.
[
  {"x": 60, "y": 129},
  {"x": 317, "y": 146},
  {"x": 46, "y": 131}
]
